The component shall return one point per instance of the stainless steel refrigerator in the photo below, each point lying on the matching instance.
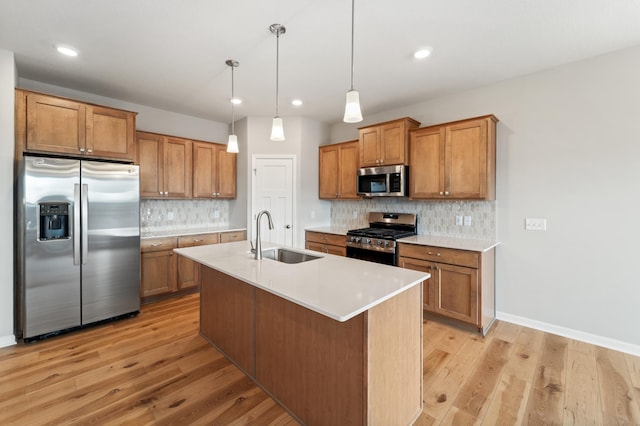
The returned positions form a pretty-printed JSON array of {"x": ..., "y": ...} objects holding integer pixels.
[{"x": 78, "y": 244}]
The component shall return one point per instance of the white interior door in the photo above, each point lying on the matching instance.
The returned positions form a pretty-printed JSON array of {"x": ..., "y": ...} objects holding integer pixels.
[{"x": 273, "y": 190}]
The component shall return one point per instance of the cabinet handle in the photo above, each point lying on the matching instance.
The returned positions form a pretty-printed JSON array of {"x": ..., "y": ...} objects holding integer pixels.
[
  {"x": 170, "y": 253},
  {"x": 156, "y": 244},
  {"x": 198, "y": 241},
  {"x": 432, "y": 253}
]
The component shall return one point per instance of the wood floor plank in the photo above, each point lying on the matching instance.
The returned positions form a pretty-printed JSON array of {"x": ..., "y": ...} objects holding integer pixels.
[
  {"x": 545, "y": 405},
  {"x": 508, "y": 403},
  {"x": 441, "y": 389},
  {"x": 472, "y": 400},
  {"x": 619, "y": 398},
  {"x": 582, "y": 405}
]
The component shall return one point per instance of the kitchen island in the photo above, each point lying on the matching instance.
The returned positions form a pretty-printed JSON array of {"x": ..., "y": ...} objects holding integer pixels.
[{"x": 334, "y": 340}]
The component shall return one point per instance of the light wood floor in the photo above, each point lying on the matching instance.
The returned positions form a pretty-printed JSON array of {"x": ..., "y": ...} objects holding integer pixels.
[{"x": 155, "y": 369}]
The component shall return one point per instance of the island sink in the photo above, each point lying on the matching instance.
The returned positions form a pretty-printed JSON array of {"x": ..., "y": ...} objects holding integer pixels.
[{"x": 287, "y": 256}]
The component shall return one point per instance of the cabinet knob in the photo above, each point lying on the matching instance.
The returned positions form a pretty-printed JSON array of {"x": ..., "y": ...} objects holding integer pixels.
[
  {"x": 81, "y": 149},
  {"x": 288, "y": 226},
  {"x": 441, "y": 193},
  {"x": 89, "y": 150},
  {"x": 446, "y": 192}
]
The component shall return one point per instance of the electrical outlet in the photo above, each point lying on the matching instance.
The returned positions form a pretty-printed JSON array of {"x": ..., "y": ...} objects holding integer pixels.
[
  {"x": 170, "y": 216},
  {"x": 355, "y": 214},
  {"x": 467, "y": 221},
  {"x": 459, "y": 220},
  {"x": 535, "y": 224},
  {"x": 216, "y": 214}
]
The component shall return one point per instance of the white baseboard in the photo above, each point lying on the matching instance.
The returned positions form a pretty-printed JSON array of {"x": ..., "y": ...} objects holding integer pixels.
[
  {"x": 593, "y": 339},
  {"x": 7, "y": 340}
]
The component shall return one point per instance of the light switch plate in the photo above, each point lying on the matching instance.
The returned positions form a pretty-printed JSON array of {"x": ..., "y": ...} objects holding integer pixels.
[
  {"x": 467, "y": 221},
  {"x": 535, "y": 224},
  {"x": 459, "y": 220}
]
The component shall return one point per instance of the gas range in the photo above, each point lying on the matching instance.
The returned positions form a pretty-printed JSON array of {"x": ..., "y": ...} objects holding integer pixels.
[{"x": 378, "y": 242}]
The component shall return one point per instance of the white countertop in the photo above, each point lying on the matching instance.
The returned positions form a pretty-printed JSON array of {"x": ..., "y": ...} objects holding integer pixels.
[
  {"x": 448, "y": 242},
  {"x": 335, "y": 286},
  {"x": 176, "y": 232}
]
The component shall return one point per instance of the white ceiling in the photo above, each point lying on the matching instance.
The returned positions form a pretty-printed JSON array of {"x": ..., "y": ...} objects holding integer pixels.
[{"x": 171, "y": 54}]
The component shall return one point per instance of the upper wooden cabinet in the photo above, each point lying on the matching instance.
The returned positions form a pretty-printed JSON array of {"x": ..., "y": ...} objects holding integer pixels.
[
  {"x": 214, "y": 171},
  {"x": 56, "y": 125},
  {"x": 165, "y": 166},
  {"x": 386, "y": 143},
  {"x": 338, "y": 167},
  {"x": 454, "y": 160}
]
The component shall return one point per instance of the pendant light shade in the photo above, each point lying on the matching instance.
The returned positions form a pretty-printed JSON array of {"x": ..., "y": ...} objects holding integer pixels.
[
  {"x": 232, "y": 143},
  {"x": 352, "y": 112},
  {"x": 277, "y": 130}
]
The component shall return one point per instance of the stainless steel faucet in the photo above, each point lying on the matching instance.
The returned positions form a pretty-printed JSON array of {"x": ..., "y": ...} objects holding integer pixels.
[{"x": 258, "y": 247}]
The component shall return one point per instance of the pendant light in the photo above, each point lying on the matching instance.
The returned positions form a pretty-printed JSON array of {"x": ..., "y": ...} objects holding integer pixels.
[
  {"x": 232, "y": 144},
  {"x": 277, "y": 130},
  {"x": 352, "y": 113}
]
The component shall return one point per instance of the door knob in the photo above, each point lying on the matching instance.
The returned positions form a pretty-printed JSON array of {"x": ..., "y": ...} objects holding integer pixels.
[{"x": 288, "y": 226}]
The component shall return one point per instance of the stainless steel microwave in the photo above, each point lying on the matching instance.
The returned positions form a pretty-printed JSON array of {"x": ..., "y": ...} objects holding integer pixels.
[{"x": 385, "y": 181}]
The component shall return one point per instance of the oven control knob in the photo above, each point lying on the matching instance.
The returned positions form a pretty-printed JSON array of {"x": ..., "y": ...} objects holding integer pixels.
[
  {"x": 367, "y": 240},
  {"x": 380, "y": 242},
  {"x": 386, "y": 243}
]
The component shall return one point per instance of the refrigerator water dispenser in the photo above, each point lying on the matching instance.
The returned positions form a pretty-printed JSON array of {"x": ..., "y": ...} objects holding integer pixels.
[{"x": 54, "y": 221}]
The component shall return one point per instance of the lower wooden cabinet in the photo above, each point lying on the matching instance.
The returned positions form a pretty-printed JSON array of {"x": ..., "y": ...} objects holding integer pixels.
[
  {"x": 188, "y": 270},
  {"x": 159, "y": 266},
  {"x": 462, "y": 283},
  {"x": 166, "y": 274},
  {"x": 326, "y": 243}
]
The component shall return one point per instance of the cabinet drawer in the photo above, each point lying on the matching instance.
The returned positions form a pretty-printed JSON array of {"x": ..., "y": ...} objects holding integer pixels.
[
  {"x": 198, "y": 240},
  {"x": 227, "y": 237},
  {"x": 157, "y": 244},
  {"x": 439, "y": 254},
  {"x": 320, "y": 237},
  {"x": 326, "y": 248}
]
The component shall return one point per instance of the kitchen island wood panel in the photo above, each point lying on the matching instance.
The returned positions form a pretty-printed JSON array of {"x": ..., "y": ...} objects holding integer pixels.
[
  {"x": 227, "y": 317},
  {"x": 366, "y": 370}
]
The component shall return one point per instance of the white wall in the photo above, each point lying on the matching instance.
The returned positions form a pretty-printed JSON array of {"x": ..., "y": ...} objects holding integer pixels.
[
  {"x": 7, "y": 85},
  {"x": 568, "y": 151}
]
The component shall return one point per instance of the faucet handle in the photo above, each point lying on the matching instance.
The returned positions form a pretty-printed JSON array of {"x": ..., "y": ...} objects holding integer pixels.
[{"x": 253, "y": 249}]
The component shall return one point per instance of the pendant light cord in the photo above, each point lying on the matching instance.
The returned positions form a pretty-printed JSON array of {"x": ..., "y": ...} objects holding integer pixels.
[
  {"x": 277, "y": 67},
  {"x": 352, "y": 35},
  {"x": 233, "y": 117}
]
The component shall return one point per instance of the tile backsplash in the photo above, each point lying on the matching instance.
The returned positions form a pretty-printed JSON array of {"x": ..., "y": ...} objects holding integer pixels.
[
  {"x": 434, "y": 217},
  {"x": 158, "y": 215}
]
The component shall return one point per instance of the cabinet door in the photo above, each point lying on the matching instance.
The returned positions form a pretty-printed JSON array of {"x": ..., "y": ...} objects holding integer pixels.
[
  {"x": 188, "y": 270},
  {"x": 427, "y": 166},
  {"x": 110, "y": 133},
  {"x": 204, "y": 170},
  {"x": 158, "y": 273},
  {"x": 151, "y": 160},
  {"x": 428, "y": 286},
  {"x": 177, "y": 167},
  {"x": 349, "y": 158},
  {"x": 369, "y": 147},
  {"x": 227, "y": 175},
  {"x": 329, "y": 172},
  {"x": 55, "y": 125},
  {"x": 456, "y": 290},
  {"x": 392, "y": 144},
  {"x": 466, "y": 159}
]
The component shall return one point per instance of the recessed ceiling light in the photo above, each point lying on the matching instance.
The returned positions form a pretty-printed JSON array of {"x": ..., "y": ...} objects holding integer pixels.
[
  {"x": 422, "y": 53},
  {"x": 68, "y": 51},
  {"x": 296, "y": 102},
  {"x": 235, "y": 101}
]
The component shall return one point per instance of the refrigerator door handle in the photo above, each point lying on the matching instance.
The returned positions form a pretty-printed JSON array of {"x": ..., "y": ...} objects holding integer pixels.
[
  {"x": 85, "y": 223},
  {"x": 76, "y": 224}
]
